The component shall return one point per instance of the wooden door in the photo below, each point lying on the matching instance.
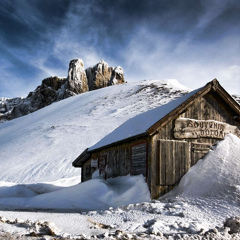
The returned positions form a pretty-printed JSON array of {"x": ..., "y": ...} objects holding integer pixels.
[
  {"x": 198, "y": 150},
  {"x": 174, "y": 161}
]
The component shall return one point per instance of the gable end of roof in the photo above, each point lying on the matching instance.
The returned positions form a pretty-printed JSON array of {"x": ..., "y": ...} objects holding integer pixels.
[
  {"x": 227, "y": 98},
  {"x": 181, "y": 108},
  {"x": 215, "y": 86}
]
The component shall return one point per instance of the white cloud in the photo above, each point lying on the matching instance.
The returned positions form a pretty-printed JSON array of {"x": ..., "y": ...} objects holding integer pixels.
[
  {"x": 230, "y": 78},
  {"x": 12, "y": 86},
  {"x": 154, "y": 56},
  {"x": 78, "y": 37},
  {"x": 66, "y": 51},
  {"x": 148, "y": 55},
  {"x": 213, "y": 9}
]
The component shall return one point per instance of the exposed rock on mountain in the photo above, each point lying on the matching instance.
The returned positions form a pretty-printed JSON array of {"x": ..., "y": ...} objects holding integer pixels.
[
  {"x": 101, "y": 75},
  {"x": 54, "y": 88},
  {"x": 77, "y": 80},
  {"x": 48, "y": 92}
]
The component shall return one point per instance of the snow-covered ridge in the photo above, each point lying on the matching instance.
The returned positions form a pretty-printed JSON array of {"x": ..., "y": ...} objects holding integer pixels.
[
  {"x": 41, "y": 146},
  {"x": 54, "y": 89}
]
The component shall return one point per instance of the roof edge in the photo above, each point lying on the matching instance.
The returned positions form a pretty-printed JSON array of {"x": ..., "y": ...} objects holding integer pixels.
[
  {"x": 227, "y": 97},
  {"x": 136, "y": 137},
  {"x": 81, "y": 159},
  {"x": 214, "y": 85},
  {"x": 182, "y": 107}
]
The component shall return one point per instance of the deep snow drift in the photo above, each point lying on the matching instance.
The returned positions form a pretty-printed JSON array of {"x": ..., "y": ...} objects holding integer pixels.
[
  {"x": 206, "y": 196},
  {"x": 215, "y": 176},
  {"x": 95, "y": 194}
]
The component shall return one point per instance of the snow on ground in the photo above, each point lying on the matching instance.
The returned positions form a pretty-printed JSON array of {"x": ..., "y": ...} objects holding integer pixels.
[
  {"x": 217, "y": 175},
  {"x": 41, "y": 194},
  {"x": 206, "y": 196},
  {"x": 95, "y": 194},
  {"x": 41, "y": 146}
]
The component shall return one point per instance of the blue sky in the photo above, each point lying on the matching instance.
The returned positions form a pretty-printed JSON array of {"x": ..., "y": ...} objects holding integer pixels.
[{"x": 191, "y": 41}]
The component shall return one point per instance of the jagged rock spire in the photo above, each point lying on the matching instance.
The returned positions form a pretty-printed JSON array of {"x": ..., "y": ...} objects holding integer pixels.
[
  {"x": 77, "y": 79},
  {"x": 54, "y": 88},
  {"x": 101, "y": 75}
]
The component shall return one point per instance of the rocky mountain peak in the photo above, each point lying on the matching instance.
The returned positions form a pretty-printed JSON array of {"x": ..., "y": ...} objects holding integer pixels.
[
  {"x": 55, "y": 89},
  {"x": 101, "y": 75},
  {"x": 77, "y": 79}
]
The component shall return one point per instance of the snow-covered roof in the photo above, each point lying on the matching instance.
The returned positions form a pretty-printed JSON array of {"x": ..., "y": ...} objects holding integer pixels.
[{"x": 139, "y": 124}]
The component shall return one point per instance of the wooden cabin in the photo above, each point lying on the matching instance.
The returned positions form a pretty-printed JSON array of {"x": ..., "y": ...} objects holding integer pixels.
[{"x": 163, "y": 143}]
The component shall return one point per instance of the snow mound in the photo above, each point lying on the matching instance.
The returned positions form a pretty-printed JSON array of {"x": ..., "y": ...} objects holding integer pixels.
[
  {"x": 94, "y": 194},
  {"x": 217, "y": 175}
]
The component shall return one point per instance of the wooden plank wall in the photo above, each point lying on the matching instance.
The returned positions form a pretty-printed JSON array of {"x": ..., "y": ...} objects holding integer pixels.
[
  {"x": 86, "y": 171},
  {"x": 208, "y": 107},
  {"x": 119, "y": 158},
  {"x": 174, "y": 161},
  {"x": 139, "y": 159}
]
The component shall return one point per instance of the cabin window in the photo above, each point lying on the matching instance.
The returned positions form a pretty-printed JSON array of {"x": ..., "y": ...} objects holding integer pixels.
[
  {"x": 139, "y": 159},
  {"x": 86, "y": 172}
]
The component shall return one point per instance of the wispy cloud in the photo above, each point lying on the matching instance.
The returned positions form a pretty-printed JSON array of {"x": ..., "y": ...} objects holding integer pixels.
[
  {"x": 10, "y": 84},
  {"x": 154, "y": 55},
  {"x": 192, "y": 41},
  {"x": 211, "y": 11}
]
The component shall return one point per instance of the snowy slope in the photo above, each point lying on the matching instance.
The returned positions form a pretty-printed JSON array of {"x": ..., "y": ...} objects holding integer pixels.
[
  {"x": 141, "y": 123},
  {"x": 41, "y": 146},
  {"x": 206, "y": 196}
]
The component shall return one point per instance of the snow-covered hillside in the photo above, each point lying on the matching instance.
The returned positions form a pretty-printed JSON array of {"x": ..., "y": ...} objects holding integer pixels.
[
  {"x": 197, "y": 209},
  {"x": 41, "y": 146},
  {"x": 36, "y": 154}
]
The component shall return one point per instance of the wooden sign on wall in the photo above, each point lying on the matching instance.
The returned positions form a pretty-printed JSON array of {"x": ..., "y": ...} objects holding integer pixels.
[{"x": 191, "y": 128}]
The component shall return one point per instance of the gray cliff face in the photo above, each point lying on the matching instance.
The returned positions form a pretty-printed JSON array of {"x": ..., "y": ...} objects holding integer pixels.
[{"x": 55, "y": 89}]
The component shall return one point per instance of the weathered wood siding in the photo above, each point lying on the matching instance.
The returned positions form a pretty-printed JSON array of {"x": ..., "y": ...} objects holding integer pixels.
[
  {"x": 139, "y": 159},
  {"x": 163, "y": 170},
  {"x": 173, "y": 161},
  {"x": 87, "y": 171},
  {"x": 124, "y": 159},
  {"x": 198, "y": 150}
]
